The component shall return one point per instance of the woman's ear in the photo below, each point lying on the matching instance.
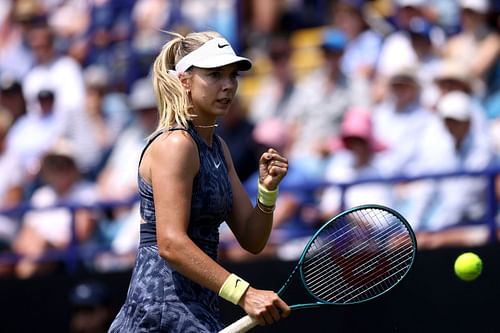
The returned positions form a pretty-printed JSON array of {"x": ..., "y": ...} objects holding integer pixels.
[{"x": 185, "y": 81}]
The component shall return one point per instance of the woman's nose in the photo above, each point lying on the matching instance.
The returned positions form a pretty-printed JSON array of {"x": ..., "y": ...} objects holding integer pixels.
[{"x": 229, "y": 83}]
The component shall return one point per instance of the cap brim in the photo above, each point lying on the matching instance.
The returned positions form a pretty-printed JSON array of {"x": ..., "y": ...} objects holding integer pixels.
[
  {"x": 338, "y": 143},
  {"x": 244, "y": 64}
]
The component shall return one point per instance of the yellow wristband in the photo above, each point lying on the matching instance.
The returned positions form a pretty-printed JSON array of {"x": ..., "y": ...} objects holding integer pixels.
[
  {"x": 266, "y": 197},
  {"x": 233, "y": 288}
]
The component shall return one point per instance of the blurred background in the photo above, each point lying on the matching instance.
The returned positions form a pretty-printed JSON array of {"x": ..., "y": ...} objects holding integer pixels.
[{"x": 394, "y": 102}]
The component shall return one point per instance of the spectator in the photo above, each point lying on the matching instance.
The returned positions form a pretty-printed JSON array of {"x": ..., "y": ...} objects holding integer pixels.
[
  {"x": 355, "y": 156},
  {"x": 45, "y": 228},
  {"x": 15, "y": 57},
  {"x": 477, "y": 45},
  {"x": 396, "y": 52},
  {"x": 453, "y": 76},
  {"x": 149, "y": 18},
  {"x": 70, "y": 21},
  {"x": 65, "y": 78},
  {"x": 472, "y": 150},
  {"x": 44, "y": 129},
  {"x": 398, "y": 120},
  {"x": 445, "y": 14},
  {"x": 415, "y": 143},
  {"x": 319, "y": 103},
  {"x": 261, "y": 20},
  {"x": 108, "y": 41},
  {"x": 11, "y": 97},
  {"x": 274, "y": 92},
  {"x": 60, "y": 72},
  {"x": 459, "y": 200},
  {"x": 428, "y": 61},
  {"x": 107, "y": 111},
  {"x": 363, "y": 46}
]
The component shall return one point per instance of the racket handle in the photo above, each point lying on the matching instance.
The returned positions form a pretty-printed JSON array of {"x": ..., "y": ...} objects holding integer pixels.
[{"x": 242, "y": 325}]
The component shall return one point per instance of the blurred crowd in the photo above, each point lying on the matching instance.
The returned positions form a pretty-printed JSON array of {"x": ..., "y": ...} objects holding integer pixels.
[{"x": 348, "y": 90}]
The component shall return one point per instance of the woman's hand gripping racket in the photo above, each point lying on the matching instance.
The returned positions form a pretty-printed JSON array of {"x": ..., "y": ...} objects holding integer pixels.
[{"x": 354, "y": 257}]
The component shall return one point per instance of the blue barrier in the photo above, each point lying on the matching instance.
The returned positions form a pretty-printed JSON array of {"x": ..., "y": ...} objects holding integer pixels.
[{"x": 74, "y": 252}]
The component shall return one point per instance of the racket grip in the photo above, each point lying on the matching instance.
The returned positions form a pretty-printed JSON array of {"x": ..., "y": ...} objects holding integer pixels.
[{"x": 241, "y": 325}]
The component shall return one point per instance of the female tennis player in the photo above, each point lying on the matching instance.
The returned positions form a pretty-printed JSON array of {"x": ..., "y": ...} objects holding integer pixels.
[{"x": 188, "y": 186}]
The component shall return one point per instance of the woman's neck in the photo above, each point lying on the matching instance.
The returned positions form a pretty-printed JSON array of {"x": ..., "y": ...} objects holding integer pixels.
[{"x": 206, "y": 132}]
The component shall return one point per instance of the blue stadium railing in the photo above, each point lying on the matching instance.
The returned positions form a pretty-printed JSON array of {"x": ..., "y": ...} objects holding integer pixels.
[{"x": 74, "y": 252}]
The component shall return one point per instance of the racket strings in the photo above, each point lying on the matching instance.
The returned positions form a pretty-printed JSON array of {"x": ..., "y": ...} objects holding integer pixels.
[
  {"x": 357, "y": 279},
  {"x": 362, "y": 286},
  {"x": 329, "y": 237},
  {"x": 371, "y": 291},
  {"x": 332, "y": 234},
  {"x": 319, "y": 253},
  {"x": 317, "y": 277},
  {"x": 317, "y": 273},
  {"x": 335, "y": 268},
  {"x": 326, "y": 247},
  {"x": 365, "y": 285},
  {"x": 356, "y": 249}
]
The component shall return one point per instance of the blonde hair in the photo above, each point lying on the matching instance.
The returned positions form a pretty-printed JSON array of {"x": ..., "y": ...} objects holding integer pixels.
[{"x": 174, "y": 104}]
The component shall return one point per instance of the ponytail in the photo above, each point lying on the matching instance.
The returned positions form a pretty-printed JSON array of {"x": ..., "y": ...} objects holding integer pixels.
[{"x": 172, "y": 98}]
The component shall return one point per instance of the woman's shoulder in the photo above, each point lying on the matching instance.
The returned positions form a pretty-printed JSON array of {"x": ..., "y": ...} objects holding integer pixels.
[
  {"x": 173, "y": 145},
  {"x": 174, "y": 139},
  {"x": 173, "y": 150}
]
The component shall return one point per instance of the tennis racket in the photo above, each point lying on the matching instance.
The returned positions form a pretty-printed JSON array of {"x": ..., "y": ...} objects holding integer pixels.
[{"x": 355, "y": 257}]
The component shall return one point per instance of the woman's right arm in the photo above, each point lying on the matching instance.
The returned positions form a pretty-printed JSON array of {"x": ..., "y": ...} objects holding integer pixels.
[{"x": 171, "y": 167}]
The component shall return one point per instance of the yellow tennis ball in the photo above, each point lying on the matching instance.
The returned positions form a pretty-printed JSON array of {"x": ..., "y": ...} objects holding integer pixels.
[{"x": 468, "y": 266}]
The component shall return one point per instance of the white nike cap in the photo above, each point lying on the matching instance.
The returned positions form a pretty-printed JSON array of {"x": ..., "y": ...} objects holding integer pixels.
[{"x": 216, "y": 52}]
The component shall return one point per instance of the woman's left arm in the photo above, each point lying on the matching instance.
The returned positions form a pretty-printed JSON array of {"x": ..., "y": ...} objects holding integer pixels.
[{"x": 252, "y": 225}]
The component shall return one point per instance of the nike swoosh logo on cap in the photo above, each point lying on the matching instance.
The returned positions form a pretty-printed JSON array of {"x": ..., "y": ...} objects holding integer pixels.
[{"x": 221, "y": 46}]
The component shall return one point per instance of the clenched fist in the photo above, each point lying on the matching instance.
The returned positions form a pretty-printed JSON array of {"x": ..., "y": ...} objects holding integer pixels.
[{"x": 272, "y": 168}]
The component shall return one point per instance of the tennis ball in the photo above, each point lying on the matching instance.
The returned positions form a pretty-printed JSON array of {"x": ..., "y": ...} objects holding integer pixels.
[{"x": 468, "y": 266}]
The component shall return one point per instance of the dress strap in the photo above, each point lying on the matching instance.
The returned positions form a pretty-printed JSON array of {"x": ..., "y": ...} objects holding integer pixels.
[{"x": 157, "y": 134}]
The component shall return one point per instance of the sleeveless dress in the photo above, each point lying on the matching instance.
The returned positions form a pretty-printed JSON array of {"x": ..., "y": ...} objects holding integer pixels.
[{"x": 159, "y": 299}]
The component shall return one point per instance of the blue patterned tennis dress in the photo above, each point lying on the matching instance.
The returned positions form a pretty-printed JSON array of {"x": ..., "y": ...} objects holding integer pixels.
[{"x": 159, "y": 299}]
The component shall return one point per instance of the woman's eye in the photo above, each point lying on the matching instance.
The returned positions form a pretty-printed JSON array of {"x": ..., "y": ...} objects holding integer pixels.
[
  {"x": 215, "y": 75},
  {"x": 235, "y": 75}
]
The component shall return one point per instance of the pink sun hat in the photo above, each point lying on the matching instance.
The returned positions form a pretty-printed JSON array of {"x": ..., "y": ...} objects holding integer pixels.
[{"x": 357, "y": 123}]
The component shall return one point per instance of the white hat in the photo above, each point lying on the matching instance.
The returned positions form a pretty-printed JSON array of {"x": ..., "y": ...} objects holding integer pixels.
[
  {"x": 455, "y": 105},
  {"x": 216, "y": 52},
  {"x": 479, "y": 6},
  {"x": 411, "y": 3},
  {"x": 142, "y": 95}
]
